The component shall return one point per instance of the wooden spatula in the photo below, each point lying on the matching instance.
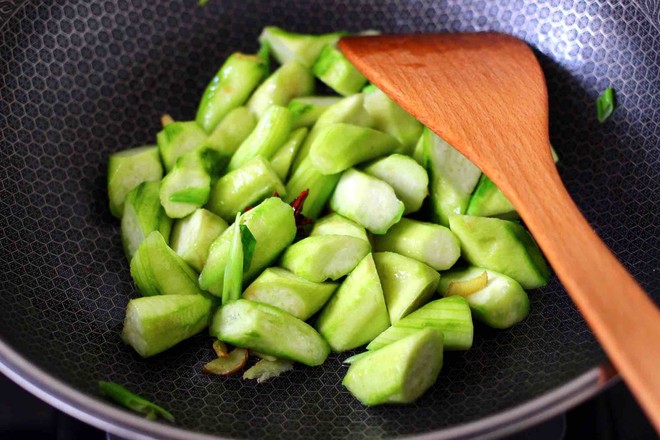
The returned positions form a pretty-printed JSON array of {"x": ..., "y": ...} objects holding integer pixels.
[{"x": 485, "y": 94}]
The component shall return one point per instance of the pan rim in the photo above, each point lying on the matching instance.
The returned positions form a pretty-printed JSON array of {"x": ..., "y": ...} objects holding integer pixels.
[{"x": 105, "y": 416}]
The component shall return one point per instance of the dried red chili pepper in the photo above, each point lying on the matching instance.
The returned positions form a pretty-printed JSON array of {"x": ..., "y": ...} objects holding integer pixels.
[{"x": 302, "y": 222}]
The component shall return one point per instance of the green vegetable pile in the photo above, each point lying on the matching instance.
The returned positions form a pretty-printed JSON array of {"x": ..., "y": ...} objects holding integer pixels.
[{"x": 293, "y": 225}]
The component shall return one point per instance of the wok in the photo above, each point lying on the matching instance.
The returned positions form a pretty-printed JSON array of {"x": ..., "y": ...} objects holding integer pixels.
[{"x": 81, "y": 79}]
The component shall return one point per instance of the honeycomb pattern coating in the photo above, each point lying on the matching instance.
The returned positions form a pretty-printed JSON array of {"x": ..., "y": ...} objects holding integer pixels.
[{"x": 80, "y": 79}]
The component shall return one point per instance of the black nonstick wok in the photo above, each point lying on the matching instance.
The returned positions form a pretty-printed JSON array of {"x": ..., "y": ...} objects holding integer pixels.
[{"x": 81, "y": 79}]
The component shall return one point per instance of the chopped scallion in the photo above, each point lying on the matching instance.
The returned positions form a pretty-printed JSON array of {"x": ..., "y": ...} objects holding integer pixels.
[
  {"x": 249, "y": 242},
  {"x": 605, "y": 105},
  {"x": 134, "y": 402},
  {"x": 264, "y": 54},
  {"x": 233, "y": 280}
]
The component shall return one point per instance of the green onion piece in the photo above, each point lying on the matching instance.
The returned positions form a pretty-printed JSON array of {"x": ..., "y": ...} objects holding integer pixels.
[
  {"x": 134, "y": 402},
  {"x": 232, "y": 285},
  {"x": 605, "y": 105},
  {"x": 264, "y": 54},
  {"x": 202, "y": 2},
  {"x": 249, "y": 242}
]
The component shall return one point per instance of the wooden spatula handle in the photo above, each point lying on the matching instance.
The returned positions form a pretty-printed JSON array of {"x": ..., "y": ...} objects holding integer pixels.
[
  {"x": 485, "y": 94},
  {"x": 624, "y": 319}
]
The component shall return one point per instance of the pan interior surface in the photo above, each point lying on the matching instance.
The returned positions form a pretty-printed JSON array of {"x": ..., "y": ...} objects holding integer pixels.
[{"x": 82, "y": 79}]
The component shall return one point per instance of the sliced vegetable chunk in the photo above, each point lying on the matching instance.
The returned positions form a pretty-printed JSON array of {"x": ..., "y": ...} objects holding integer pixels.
[
  {"x": 501, "y": 303},
  {"x": 307, "y": 110},
  {"x": 320, "y": 186},
  {"x": 355, "y": 357},
  {"x": 367, "y": 200},
  {"x": 192, "y": 236},
  {"x": 245, "y": 186},
  {"x": 398, "y": 373},
  {"x": 349, "y": 110},
  {"x": 158, "y": 270},
  {"x": 502, "y": 246},
  {"x": 357, "y": 312},
  {"x": 304, "y": 48},
  {"x": 429, "y": 243},
  {"x": 335, "y": 224},
  {"x": 177, "y": 139},
  {"x": 407, "y": 178},
  {"x": 186, "y": 187},
  {"x": 230, "y": 88},
  {"x": 392, "y": 119},
  {"x": 453, "y": 177},
  {"x": 268, "y": 136},
  {"x": 127, "y": 169},
  {"x": 488, "y": 201},
  {"x": 407, "y": 283},
  {"x": 418, "y": 153},
  {"x": 338, "y": 147},
  {"x": 273, "y": 225},
  {"x": 289, "y": 292},
  {"x": 450, "y": 315},
  {"x": 155, "y": 323},
  {"x": 289, "y": 81},
  {"x": 230, "y": 133},
  {"x": 321, "y": 257},
  {"x": 283, "y": 157},
  {"x": 143, "y": 214},
  {"x": 334, "y": 69},
  {"x": 269, "y": 330}
]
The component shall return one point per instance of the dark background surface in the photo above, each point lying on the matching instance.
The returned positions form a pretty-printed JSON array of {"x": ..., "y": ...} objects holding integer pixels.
[{"x": 612, "y": 415}]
